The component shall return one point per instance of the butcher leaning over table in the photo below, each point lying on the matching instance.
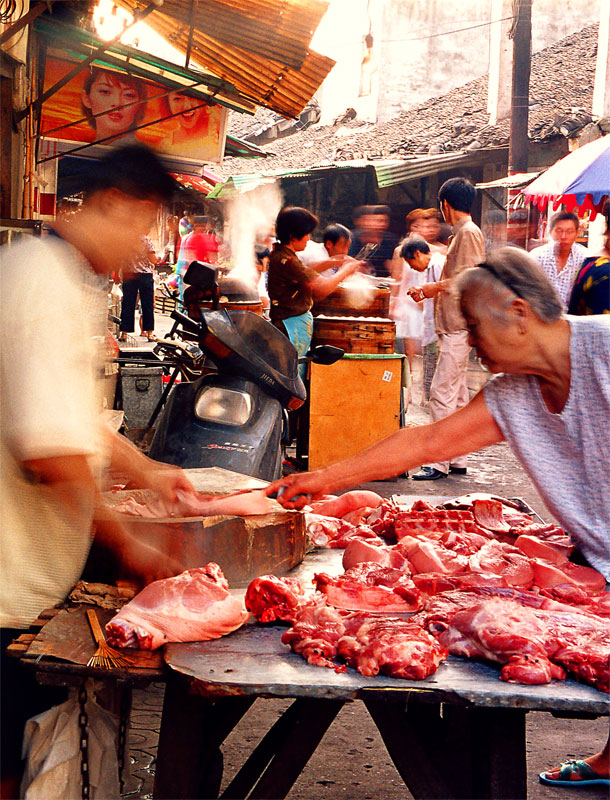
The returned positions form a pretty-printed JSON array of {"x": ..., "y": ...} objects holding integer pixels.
[
  {"x": 52, "y": 441},
  {"x": 551, "y": 404}
]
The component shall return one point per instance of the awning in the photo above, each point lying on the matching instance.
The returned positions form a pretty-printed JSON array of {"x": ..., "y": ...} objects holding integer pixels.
[
  {"x": 516, "y": 181},
  {"x": 259, "y": 46},
  {"x": 387, "y": 172},
  {"x": 196, "y": 182}
]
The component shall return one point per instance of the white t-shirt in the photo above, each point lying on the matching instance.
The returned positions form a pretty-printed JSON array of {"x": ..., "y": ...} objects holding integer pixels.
[
  {"x": 53, "y": 315},
  {"x": 567, "y": 455},
  {"x": 433, "y": 275}
]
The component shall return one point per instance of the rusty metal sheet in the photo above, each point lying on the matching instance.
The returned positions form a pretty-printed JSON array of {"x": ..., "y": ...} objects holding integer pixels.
[{"x": 68, "y": 636}]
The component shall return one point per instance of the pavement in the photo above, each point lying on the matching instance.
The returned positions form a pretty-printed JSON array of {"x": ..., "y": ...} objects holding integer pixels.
[{"x": 369, "y": 773}]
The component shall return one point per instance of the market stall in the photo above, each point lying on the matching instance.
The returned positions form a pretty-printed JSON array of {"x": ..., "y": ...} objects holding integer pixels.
[{"x": 458, "y": 733}]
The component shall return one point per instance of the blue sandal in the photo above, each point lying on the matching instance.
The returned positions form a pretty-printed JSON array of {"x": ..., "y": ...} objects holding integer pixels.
[{"x": 587, "y": 776}]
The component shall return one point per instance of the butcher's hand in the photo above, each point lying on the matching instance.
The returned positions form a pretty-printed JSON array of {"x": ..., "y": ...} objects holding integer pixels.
[
  {"x": 296, "y": 491},
  {"x": 167, "y": 481},
  {"x": 146, "y": 564}
]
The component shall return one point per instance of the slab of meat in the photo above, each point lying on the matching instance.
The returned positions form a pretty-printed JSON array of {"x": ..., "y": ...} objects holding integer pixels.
[
  {"x": 431, "y": 583},
  {"x": 192, "y": 607},
  {"x": 534, "y": 547},
  {"x": 350, "y": 501},
  {"x": 381, "y": 520},
  {"x": 358, "y": 516},
  {"x": 548, "y": 575},
  {"x": 428, "y": 556},
  {"x": 503, "y": 559},
  {"x": 466, "y": 501},
  {"x": 488, "y": 514},
  {"x": 433, "y": 522},
  {"x": 241, "y": 504},
  {"x": 370, "y": 587},
  {"x": 535, "y": 643},
  {"x": 359, "y": 551},
  {"x": 269, "y": 598},
  {"x": 390, "y": 646}
]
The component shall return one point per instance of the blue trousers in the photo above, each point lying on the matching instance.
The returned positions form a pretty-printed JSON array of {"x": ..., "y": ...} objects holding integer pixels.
[{"x": 141, "y": 282}]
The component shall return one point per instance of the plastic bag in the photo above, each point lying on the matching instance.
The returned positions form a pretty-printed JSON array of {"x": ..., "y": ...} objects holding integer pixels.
[{"x": 51, "y": 747}]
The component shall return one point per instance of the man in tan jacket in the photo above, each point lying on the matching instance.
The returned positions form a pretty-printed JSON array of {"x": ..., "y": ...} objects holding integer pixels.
[{"x": 449, "y": 389}]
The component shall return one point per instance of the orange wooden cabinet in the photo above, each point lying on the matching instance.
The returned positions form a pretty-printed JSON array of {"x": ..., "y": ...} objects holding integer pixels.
[{"x": 353, "y": 404}]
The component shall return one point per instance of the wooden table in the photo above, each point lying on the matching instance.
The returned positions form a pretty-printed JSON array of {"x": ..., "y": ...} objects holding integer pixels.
[{"x": 458, "y": 734}]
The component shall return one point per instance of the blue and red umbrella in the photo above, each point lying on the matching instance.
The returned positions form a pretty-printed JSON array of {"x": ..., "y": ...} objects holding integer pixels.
[{"x": 580, "y": 179}]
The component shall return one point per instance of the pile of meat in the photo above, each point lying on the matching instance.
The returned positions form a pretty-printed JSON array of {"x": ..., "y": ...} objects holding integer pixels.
[
  {"x": 192, "y": 607},
  {"x": 483, "y": 579}
]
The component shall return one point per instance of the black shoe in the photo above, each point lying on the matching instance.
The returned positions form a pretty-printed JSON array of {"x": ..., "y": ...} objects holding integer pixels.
[
  {"x": 458, "y": 470},
  {"x": 429, "y": 474}
]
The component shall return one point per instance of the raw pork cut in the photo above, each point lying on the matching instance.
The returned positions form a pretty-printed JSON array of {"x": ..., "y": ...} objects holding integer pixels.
[
  {"x": 350, "y": 501},
  {"x": 488, "y": 513},
  {"x": 536, "y": 644},
  {"x": 549, "y": 575},
  {"x": 391, "y": 646},
  {"x": 269, "y": 598},
  {"x": 503, "y": 559},
  {"x": 370, "y": 587},
  {"x": 192, "y": 607},
  {"x": 359, "y": 551},
  {"x": 427, "y": 556},
  {"x": 242, "y": 504}
]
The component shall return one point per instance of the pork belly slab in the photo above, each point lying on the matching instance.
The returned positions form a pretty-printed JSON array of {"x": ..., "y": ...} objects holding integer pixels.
[{"x": 192, "y": 607}]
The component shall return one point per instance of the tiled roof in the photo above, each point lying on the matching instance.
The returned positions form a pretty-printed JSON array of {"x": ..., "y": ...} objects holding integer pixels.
[{"x": 561, "y": 89}]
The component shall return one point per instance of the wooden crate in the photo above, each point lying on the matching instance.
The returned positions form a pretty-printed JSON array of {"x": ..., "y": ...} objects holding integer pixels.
[
  {"x": 356, "y": 334},
  {"x": 354, "y": 403},
  {"x": 339, "y": 304}
]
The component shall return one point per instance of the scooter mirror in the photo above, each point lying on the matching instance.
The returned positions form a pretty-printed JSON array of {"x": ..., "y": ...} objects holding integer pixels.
[{"x": 326, "y": 354}]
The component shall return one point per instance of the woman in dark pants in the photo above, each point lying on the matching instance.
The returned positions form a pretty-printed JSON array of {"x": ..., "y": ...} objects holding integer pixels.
[{"x": 138, "y": 278}]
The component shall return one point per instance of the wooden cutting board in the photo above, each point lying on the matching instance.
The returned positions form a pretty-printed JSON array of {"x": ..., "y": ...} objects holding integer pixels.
[
  {"x": 244, "y": 547},
  {"x": 68, "y": 636}
]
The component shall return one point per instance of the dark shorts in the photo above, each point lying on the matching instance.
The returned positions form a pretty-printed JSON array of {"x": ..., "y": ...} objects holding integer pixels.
[{"x": 21, "y": 697}]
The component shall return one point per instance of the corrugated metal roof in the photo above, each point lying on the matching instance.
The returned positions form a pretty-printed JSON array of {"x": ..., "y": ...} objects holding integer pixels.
[
  {"x": 516, "y": 181},
  {"x": 265, "y": 80},
  {"x": 273, "y": 29}
]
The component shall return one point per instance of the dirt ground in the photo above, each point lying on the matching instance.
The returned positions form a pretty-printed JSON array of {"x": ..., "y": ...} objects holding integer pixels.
[{"x": 352, "y": 761}]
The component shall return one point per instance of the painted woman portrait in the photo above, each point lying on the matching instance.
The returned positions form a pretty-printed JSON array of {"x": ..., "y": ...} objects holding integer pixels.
[
  {"x": 108, "y": 91},
  {"x": 192, "y": 125}
]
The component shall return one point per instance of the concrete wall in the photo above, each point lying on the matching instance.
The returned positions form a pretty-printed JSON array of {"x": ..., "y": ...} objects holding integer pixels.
[{"x": 414, "y": 62}]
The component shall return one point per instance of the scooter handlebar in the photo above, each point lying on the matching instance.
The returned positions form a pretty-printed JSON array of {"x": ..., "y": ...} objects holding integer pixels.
[{"x": 187, "y": 323}]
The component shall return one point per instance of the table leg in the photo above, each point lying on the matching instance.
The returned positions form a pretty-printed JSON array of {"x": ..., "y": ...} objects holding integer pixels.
[
  {"x": 278, "y": 760},
  {"x": 455, "y": 752},
  {"x": 189, "y": 760}
]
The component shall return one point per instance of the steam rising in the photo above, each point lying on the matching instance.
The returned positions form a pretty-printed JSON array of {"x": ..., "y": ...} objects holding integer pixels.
[
  {"x": 251, "y": 215},
  {"x": 359, "y": 290}
]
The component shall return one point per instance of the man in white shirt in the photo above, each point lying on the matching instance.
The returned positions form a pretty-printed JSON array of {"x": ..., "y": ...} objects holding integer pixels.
[
  {"x": 416, "y": 252},
  {"x": 562, "y": 258},
  {"x": 336, "y": 241},
  {"x": 53, "y": 443}
]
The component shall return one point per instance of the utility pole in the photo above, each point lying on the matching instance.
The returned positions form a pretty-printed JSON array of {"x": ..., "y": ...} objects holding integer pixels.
[{"x": 522, "y": 53}]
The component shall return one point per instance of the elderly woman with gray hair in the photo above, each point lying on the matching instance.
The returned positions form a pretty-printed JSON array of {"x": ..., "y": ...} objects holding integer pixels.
[{"x": 549, "y": 399}]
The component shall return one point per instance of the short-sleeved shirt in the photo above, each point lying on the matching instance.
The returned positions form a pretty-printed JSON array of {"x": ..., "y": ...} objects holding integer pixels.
[
  {"x": 567, "y": 455},
  {"x": 53, "y": 315},
  {"x": 142, "y": 263},
  {"x": 199, "y": 246},
  {"x": 288, "y": 284},
  {"x": 562, "y": 280},
  {"x": 467, "y": 249},
  {"x": 591, "y": 290}
]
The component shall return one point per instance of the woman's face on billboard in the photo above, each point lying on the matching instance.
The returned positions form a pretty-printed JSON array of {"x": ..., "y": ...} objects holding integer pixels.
[
  {"x": 109, "y": 94},
  {"x": 190, "y": 116}
]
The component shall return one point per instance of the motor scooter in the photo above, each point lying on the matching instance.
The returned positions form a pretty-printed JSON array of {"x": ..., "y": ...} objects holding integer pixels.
[{"x": 235, "y": 417}]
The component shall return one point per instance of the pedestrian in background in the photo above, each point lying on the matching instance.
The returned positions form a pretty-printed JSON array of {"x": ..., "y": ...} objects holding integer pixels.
[
  {"x": 138, "y": 279},
  {"x": 562, "y": 257},
  {"x": 371, "y": 240},
  {"x": 449, "y": 389}
]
